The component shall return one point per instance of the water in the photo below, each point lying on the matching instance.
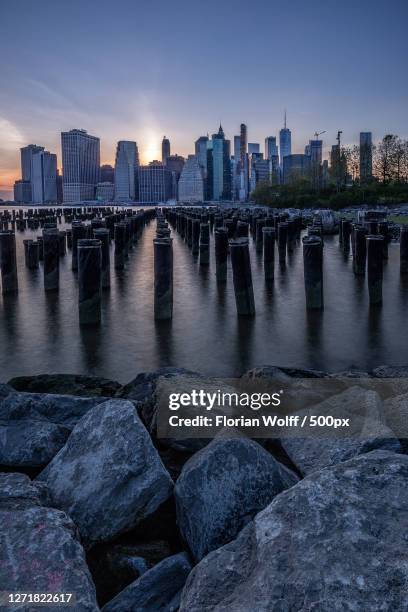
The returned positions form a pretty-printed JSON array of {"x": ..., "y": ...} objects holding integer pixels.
[{"x": 39, "y": 332}]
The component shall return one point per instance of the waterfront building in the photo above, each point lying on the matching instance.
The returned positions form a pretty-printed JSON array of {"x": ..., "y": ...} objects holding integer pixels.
[
  {"x": 107, "y": 174},
  {"x": 191, "y": 183},
  {"x": 175, "y": 164},
  {"x": 155, "y": 183},
  {"x": 271, "y": 149},
  {"x": 126, "y": 163},
  {"x": 105, "y": 191},
  {"x": 80, "y": 163},
  {"x": 218, "y": 167},
  {"x": 22, "y": 192},
  {"x": 366, "y": 156},
  {"x": 260, "y": 170},
  {"x": 44, "y": 177},
  {"x": 26, "y": 155},
  {"x": 295, "y": 167},
  {"x": 165, "y": 150},
  {"x": 285, "y": 142}
]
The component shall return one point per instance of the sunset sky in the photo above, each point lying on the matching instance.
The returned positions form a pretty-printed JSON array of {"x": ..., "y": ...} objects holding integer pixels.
[{"x": 139, "y": 70}]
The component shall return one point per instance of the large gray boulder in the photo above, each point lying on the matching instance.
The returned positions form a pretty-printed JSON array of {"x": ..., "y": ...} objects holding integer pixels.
[
  {"x": 35, "y": 426},
  {"x": 39, "y": 548},
  {"x": 334, "y": 542},
  {"x": 158, "y": 589},
  {"x": 30, "y": 443},
  {"x": 63, "y": 410},
  {"x": 143, "y": 386},
  {"x": 66, "y": 384},
  {"x": 108, "y": 477},
  {"x": 324, "y": 446},
  {"x": 396, "y": 416},
  {"x": 222, "y": 487},
  {"x": 5, "y": 390}
]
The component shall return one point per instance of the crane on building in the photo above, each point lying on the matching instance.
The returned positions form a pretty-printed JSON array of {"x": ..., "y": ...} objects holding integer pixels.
[{"x": 317, "y": 134}]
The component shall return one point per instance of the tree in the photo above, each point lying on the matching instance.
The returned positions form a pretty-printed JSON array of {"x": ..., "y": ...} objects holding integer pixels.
[
  {"x": 352, "y": 158},
  {"x": 384, "y": 161}
]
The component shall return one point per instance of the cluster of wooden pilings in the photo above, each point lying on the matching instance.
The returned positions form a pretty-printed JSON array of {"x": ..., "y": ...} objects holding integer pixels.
[
  {"x": 232, "y": 230},
  {"x": 88, "y": 239}
]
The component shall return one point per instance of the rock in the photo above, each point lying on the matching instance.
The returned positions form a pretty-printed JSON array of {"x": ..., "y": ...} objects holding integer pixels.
[
  {"x": 5, "y": 390},
  {"x": 29, "y": 443},
  {"x": 115, "y": 566},
  {"x": 108, "y": 477},
  {"x": 158, "y": 589},
  {"x": 222, "y": 487},
  {"x": 386, "y": 371},
  {"x": 66, "y": 384},
  {"x": 63, "y": 410},
  {"x": 39, "y": 549},
  {"x": 143, "y": 386},
  {"x": 396, "y": 416},
  {"x": 336, "y": 541},
  {"x": 324, "y": 446}
]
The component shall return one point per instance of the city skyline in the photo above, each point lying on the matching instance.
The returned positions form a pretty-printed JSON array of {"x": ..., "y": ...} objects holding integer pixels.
[{"x": 117, "y": 83}]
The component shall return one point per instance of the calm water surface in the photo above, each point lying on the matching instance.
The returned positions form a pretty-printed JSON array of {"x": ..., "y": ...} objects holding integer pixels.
[{"x": 39, "y": 332}]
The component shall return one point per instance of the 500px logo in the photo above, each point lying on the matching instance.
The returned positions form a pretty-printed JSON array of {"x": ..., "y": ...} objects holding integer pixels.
[{"x": 208, "y": 400}]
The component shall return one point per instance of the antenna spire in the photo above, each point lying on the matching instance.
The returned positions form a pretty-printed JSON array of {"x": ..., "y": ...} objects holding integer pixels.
[{"x": 285, "y": 119}]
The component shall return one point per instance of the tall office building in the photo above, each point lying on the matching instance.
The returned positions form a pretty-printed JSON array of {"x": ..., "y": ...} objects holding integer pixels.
[
  {"x": 285, "y": 142},
  {"x": 191, "y": 183},
  {"x": 107, "y": 174},
  {"x": 155, "y": 183},
  {"x": 366, "y": 156},
  {"x": 126, "y": 164},
  {"x": 22, "y": 192},
  {"x": 295, "y": 167},
  {"x": 315, "y": 152},
  {"x": 201, "y": 152},
  {"x": 80, "y": 163},
  {"x": 253, "y": 147},
  {"x": 271, "y": 149},
  {"x": 44, "y": 177},
  {"x": 26, "y": 191},
  {"x": 218, "y": 167},
  {"x": 165, "y": 149},
  {"x": 244, "y": 164}
]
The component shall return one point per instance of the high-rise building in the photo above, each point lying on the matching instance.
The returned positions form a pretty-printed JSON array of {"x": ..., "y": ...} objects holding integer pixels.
[
  {"x": 165, "y": 149},
  {"x": 201, "y": 153},
  {"x": 366, "y": 156},
  {"x": 44, "y": 177},
  {"x": 271, "y": 149},
  {"x": 315, "y": 152},
  {"x": 253, "y": 147},
  {"x": 218, "y": 167},
  {"x": 107, "y": 174},
  {"x": 285, "y": 142},
  {"x": 191, "y": 183},
  {"x": 27, "y": 154},
  {"x": 155, "y": 183},
  {"x": 244, "y": 164},
  {"x": 260, "y": 170},
  {"x": 80, "y": 163},
  {"x": 295, "y": 167},
  {"x": 22, "y": 192},
  {"x": 126, "y": 163},
  {"x": 175, "y": 164},
  {"x": 105, "y": 191}
]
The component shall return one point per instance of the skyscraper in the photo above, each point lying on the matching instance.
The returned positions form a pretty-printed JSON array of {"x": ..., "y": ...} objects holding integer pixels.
[
  {"x": 155, "y": 183},
  {"x": 126, "y": 163},
  {"x": 201, "y": 153},
  {"x": 366, "y": 156},
  {"x": 271, "y": 149},
  {"x": 218, "y": 167},
  {"x": 80, "y": 162},
  {"x": 165, "y": 149},
  {"x": 44, "y": 177},
  {"x": 244, "y": 167},
  {"x": 191, "y": 183},
  {"x": 285, "y": 142},
  {"x": 295, "y": 167},
  {"x": 27, "y": 154},
  {"x": 107, "y": 174}
]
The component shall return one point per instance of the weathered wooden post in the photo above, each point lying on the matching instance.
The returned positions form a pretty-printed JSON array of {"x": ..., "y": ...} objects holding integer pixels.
[
  {"x": 242, "y": 277},
  {"x": 8, "y": 262},
  {"x": 313, "y": 271},
  {"x": 163, "y": 278},
  {"x": 375, "y": 268},
  {"x": 51, "y": 247},
  {"x": 269, "y": 252},
  {"x": 89, "y": 281}
]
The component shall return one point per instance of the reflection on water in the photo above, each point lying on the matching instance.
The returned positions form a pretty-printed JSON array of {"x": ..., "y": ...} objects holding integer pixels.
[{"x": 39, "y": 332}]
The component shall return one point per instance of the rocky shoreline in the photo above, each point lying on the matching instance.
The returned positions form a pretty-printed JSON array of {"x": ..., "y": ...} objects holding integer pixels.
[{"x": 93, "y": 503}]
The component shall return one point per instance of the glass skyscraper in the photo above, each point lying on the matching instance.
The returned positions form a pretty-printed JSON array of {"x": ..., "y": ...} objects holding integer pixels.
[
  {"x": 126, "y": 163},
  {"x": 80, "y": 163}
]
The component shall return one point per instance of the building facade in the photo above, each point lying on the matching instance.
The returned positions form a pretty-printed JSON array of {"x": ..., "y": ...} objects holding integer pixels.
[
  {"x": 285, "y": 142},
  {"x": 191, "y": 183},
  {"x": 296, "y": 167},
  {"x": 165, "y": 150},
  {"x": 107, "y": 174},
  {"x": 22, "y": 192},
  {"x": 126, "y": 164},
  {"x": 271, "y": 148},
  {"x": 80, "y": 162},
  {"x": 218, "y": 167},
  {"x": 105, "y": 192},
  {"x": 155, "y": 183},
  {"x": 44, "y": 177}
]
